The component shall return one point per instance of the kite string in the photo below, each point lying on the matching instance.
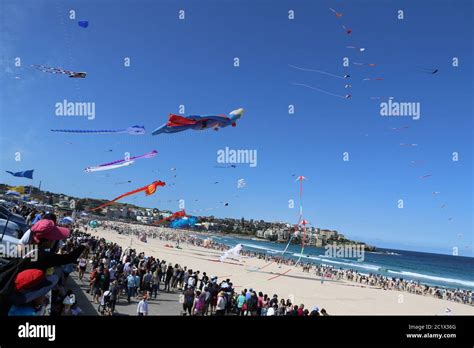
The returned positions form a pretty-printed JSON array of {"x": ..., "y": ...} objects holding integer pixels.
[
  {"x": 317, "y": 71},
  {"x": 320, "y": 90}
]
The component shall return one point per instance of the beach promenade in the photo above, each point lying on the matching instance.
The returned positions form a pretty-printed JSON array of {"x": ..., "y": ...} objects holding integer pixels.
[{"x": 166, "y": 303}]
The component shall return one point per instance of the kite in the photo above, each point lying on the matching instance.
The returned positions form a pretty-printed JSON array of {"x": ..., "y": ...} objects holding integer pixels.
[
  {"x": 83, "y": 24},
  {"x": 233, "y": 251},
  {"x": 381, "y": 98},
  {"x": 408, "y": 145},
  {"x": 347, "y": 96},
  {"x": 25, "y": 174},
  {"x": 184, "y": 222},
  {"x": 178, "y": 123},
  {"x": 348, "y": 30},
  {"x": 148, "y": 189},
  {"x": 360, "y": 49},
  {"x": 120, "y": 163},
  {"x": 373, "y": 79},
  {"x": 365, "y": 64},
  {"x": 241, "y": 183},
  {"x": 338, "y": 14},
  {"x": 399, "y": 128},
  {"x": 179, "y": 214},
  {"x": 123, "y": 182},
  {"x": 108, "y": 167},
  {"x": 231, "y": 166},
  {"x": 320, "y": 72},
  {"x": 133, "y": 130},
  {"x": 443, "y": 205},
  {"x": 435, "y": 193},
  {"x": 430, "y": 71},
  {"x": 416, "y": 162},
  {"x": 348, "y": 86},
  {"x": 425, "y": 176},
  {"x": 71, "y": 74}
]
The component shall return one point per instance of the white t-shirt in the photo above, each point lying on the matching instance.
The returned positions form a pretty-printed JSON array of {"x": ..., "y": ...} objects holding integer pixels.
[{"x": 25, "y": 240}]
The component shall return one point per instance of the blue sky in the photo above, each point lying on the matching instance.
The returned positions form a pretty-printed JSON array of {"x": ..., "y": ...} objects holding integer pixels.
[{"x": 190, "y": 62}]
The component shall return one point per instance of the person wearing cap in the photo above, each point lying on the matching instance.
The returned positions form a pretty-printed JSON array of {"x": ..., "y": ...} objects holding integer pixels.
[
  {"x": 30, "y": 288},
  {"x": 221, "y": 303}
]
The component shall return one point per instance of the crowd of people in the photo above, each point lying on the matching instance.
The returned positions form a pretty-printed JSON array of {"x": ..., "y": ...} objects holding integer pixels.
[
  {"x": 325, "y": 272},
  {"x": 128, "y": 274},
  {"x": 39, "y": 286}
]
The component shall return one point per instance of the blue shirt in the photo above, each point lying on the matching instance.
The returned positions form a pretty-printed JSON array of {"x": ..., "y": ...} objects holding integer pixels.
[{"x": 131, "y": 281}]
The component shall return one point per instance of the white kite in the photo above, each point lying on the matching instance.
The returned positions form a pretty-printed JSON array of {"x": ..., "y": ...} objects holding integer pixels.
[{"x": 235, "y": 251}]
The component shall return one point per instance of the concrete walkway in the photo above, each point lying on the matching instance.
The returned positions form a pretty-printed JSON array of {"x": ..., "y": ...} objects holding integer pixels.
[{"x": 166, "y": 303}]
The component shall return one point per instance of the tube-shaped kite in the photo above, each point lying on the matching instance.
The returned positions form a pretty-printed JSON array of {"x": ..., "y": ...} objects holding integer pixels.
[
  {"x": 120, "y": 163},
  {"x": 149, "y": 190},
  {"x": 133, "y": 130},
  {"x": 51, "y": 70}
]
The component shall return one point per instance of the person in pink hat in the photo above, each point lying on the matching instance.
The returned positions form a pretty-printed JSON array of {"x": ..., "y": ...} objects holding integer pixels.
[{"x": 46, "y": 233}]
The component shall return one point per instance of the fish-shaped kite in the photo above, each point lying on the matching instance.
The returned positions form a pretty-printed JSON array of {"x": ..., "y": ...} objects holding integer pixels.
[{"x": 178, "y": 123}]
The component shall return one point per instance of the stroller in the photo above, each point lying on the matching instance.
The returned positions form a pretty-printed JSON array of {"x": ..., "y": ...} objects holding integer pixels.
[{"x": 105, "y": 307}]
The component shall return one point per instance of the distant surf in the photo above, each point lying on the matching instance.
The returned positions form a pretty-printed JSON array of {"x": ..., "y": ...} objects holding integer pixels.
[{"x": 433, "y": 278}]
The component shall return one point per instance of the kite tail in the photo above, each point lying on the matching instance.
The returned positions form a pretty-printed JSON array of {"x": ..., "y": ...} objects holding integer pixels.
[{"x": 299, "y": 258}]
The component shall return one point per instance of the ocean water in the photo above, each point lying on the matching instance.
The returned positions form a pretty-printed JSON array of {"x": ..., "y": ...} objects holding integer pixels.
[{"x": 432, "y": 269}]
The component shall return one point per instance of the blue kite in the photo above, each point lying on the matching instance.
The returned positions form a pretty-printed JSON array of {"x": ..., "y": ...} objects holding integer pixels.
[
  {"x": 25, "y": 174},
  {"x": 184, "y": 222},
  {"x": 178, "y": 123},
  {"x": 83, "y": 24}
]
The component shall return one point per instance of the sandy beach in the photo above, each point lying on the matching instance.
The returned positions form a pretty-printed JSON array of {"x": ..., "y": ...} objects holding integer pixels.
[{"x": 338, "y": 297}]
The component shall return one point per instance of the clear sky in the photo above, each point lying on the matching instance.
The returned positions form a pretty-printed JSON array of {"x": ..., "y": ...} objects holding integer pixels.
[{"x": 190, "y": 62}]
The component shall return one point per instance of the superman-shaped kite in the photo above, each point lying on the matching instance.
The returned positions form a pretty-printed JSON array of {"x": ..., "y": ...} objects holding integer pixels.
[{"x": 178, "y": 123}]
